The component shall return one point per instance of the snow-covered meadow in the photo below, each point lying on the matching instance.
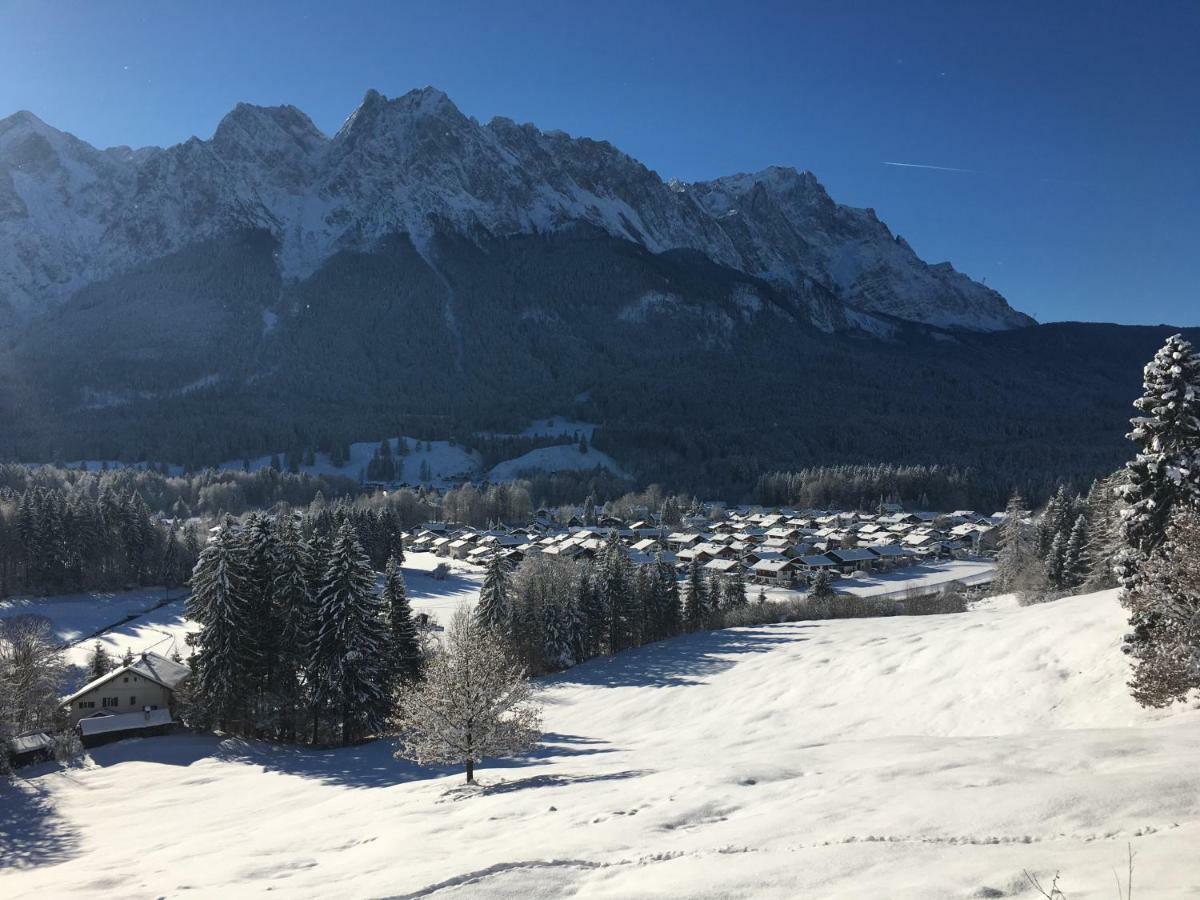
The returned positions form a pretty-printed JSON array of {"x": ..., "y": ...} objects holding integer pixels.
[{"x": 925, "y": 757}]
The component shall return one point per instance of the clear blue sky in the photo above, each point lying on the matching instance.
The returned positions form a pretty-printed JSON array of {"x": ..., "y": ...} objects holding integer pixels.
[{"x": 1079, "y": 122}]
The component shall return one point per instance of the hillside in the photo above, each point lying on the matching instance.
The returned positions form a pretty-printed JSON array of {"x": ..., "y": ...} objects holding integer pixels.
[{"x": 919, "y": 758}]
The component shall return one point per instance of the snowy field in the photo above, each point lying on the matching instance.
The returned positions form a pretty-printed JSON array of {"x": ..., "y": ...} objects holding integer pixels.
[
  {"x": 559, "y": 458},
  {"x": 924, "y": 578},
  {"x": 74, "y": 617},
  {"x": 931, "y": 757}
]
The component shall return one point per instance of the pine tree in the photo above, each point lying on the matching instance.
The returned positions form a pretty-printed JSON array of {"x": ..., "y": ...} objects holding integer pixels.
[
  {"x": 1075, "y": 555},
  {"x": 669, "y": 616},
  {"x": 349, "y": 665},
  {"x": 1166, "y": 470},
  {"x": 695, "y": 600},
  {"x": 99, "y": 662},
  {"x": 405, "y": 648},
  {"x": 1055, "y": 561},
  {"x": 616, "y": 594},
  {"x": 1167, "y": 666},
  {"x": 821, "y": 587},
  {"x": 295, "y": 612},
  {"x": 474, "y": 702},
  {"x": 494, "y": 609},
  {"x": 226, "y": 655},
  {"x": 1017, "y": 566},
  {"x": 1162, "y": 477},
  {"x": 734, "y": 596}
]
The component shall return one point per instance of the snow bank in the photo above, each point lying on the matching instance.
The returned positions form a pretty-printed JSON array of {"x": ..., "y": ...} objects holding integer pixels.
[
  {"x": 561, "y": 458},
  {"x": 932, "y": 757}
]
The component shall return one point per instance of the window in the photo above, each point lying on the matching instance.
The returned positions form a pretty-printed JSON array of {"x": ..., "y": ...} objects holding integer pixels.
[
  {"x": 87, "y": 704},
  {"x": 133, "y": 701},
  {"x": 127, "y": 679},
  {"x": 110, "y": 701}
]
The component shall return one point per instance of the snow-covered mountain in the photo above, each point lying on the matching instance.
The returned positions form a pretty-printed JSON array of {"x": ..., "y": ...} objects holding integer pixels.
[{"x": 71, "y": 214}]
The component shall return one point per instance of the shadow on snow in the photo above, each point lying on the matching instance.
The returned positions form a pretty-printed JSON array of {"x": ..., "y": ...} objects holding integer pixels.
[
  {"x": 680, "y": 661},
  {"x": 32, "y": 833}
]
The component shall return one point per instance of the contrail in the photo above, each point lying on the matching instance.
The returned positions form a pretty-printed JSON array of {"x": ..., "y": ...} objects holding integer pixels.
[{"x": 935, "y": 168}]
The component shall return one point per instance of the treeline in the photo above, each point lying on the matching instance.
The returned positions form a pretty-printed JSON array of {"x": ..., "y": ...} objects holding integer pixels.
[
  {"x": 1070, "y": 547},
  {"x": 209, "y": 492},
  {"x": 67, "y": 539},
  {"x": 932, "y": 487}
]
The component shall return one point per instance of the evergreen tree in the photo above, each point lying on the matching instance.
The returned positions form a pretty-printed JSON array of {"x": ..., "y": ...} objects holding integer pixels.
[
  {"x": 734, "y": 596},
  {"x": 1017, "y": 567},
  {"x": 405, "y": 649},
  {"x": 99, "y": 662},
  {"x": 226, "y": 655},
  {"x": 349, "y": 665},
  {"x": 616, "y": 594},
  {"x": 295, "y": 614},
  {"x": 1163, "y": 476},
  {"x": 1075, "y": 554},
  {"x": 1166, "y": 469},
  {"x": 821, "y": 587},
  {"x": 695, "y": 600},
  {"x": 1055, "y": 561},
  {"x": 494, "y": 609}
]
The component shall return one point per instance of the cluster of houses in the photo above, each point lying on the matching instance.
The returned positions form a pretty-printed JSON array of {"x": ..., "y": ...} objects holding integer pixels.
[{"x": 780, "y": 547}]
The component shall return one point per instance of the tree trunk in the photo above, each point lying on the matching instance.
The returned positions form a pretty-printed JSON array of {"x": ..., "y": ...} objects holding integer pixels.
[{"x": 470, "y": 771}]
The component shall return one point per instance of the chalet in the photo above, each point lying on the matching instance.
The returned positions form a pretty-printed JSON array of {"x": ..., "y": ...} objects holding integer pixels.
[
  {"x": 723, "y": 566},
  {"x": 815, "y": 563},
  {"x": 854, "y": 560},
  {"x": 680, "y": 540},
  {"x": 773, "y": 571},
  {"x": 132, "y": 699}
]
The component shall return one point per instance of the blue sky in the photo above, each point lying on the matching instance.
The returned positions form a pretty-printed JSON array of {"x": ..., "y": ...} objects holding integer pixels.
[{"x": 1077, "y": 124}]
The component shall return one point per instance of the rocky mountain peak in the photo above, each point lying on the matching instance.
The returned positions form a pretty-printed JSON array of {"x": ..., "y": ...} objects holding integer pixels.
[{"x": 416, "y": 164}]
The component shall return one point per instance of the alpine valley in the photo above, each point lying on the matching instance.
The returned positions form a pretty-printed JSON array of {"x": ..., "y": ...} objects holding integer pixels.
[{"x": 419, "y": 272}]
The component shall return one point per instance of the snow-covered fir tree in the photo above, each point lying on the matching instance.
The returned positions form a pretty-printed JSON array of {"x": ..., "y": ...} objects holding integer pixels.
[
  {"x": 1163, "y": 477},
  {"x": 494, "y": 608},
  {"x": 227, "y": 656},
  {"x": 349, "y": 662},
  {"x": 1018, "y": 568},
  {"x": 820, "y": 589},
  {"x": 405, "y": 647},
  {"x": 616, "y": 594},
  {"x": 1166, "y": 470},
  {"x": 1167, "y": 667},
  {"x": 1076, "y": 562},
  {"x": 695, "y": 599},
  {"x": 99, "y": 662},
  {"x": 293, "y": 588},
  {"x": 734, "y": 595},
  {"x": 474, "y": 702}
]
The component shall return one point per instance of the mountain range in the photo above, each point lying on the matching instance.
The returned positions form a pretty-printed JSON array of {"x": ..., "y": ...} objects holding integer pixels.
[
  {"x": 274, "y": 286},
  {"x": 71, "y": 214}
]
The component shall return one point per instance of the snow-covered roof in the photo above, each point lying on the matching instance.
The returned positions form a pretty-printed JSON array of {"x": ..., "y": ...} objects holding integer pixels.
[
  {"x": 29, "y": 743},
  {"x": 107, "y": 724},
  {"x": 158, "y": 669}
]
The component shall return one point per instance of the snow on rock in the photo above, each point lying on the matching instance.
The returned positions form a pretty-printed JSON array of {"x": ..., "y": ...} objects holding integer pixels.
[
  {"x": 71, "y": 214},
  {"x": 922, "y": 758},
  {"x": 560, "y": 458}
]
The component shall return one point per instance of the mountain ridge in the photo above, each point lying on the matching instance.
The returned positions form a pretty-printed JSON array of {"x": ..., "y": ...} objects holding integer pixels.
[{"x": 71, "y": 214}]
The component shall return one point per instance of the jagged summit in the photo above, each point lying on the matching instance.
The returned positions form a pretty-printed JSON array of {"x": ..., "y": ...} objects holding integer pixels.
[{"x": 415, "y": 163}]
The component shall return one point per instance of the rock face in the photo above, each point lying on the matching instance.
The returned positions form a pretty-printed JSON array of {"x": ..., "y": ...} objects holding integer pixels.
[{"x": 71, "y": 214}]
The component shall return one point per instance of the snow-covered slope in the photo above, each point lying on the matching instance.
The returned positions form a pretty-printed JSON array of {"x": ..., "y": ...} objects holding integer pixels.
[
  {"x": 559, "y": 458},
  {"x": 71, "y": 214},
  {"x": 786, "y": 227},
  {"x": 911, "y": 758}
]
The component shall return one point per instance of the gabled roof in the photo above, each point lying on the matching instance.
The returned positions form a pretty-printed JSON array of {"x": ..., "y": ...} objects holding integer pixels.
[{"x": 149, "y": 665}]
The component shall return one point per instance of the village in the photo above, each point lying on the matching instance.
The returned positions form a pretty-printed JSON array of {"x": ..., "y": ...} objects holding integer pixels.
[{"x": 778, "y": 547}]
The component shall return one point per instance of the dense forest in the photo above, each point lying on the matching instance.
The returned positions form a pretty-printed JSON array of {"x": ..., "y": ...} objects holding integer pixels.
[{"x": 705, "y": 391}]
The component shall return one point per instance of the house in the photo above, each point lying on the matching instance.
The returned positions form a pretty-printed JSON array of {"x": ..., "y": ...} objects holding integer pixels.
[
  {"x": 127, "y": 699},
  {"x": 853, "y": 560},
  {"x": 773, "y": 571}
]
